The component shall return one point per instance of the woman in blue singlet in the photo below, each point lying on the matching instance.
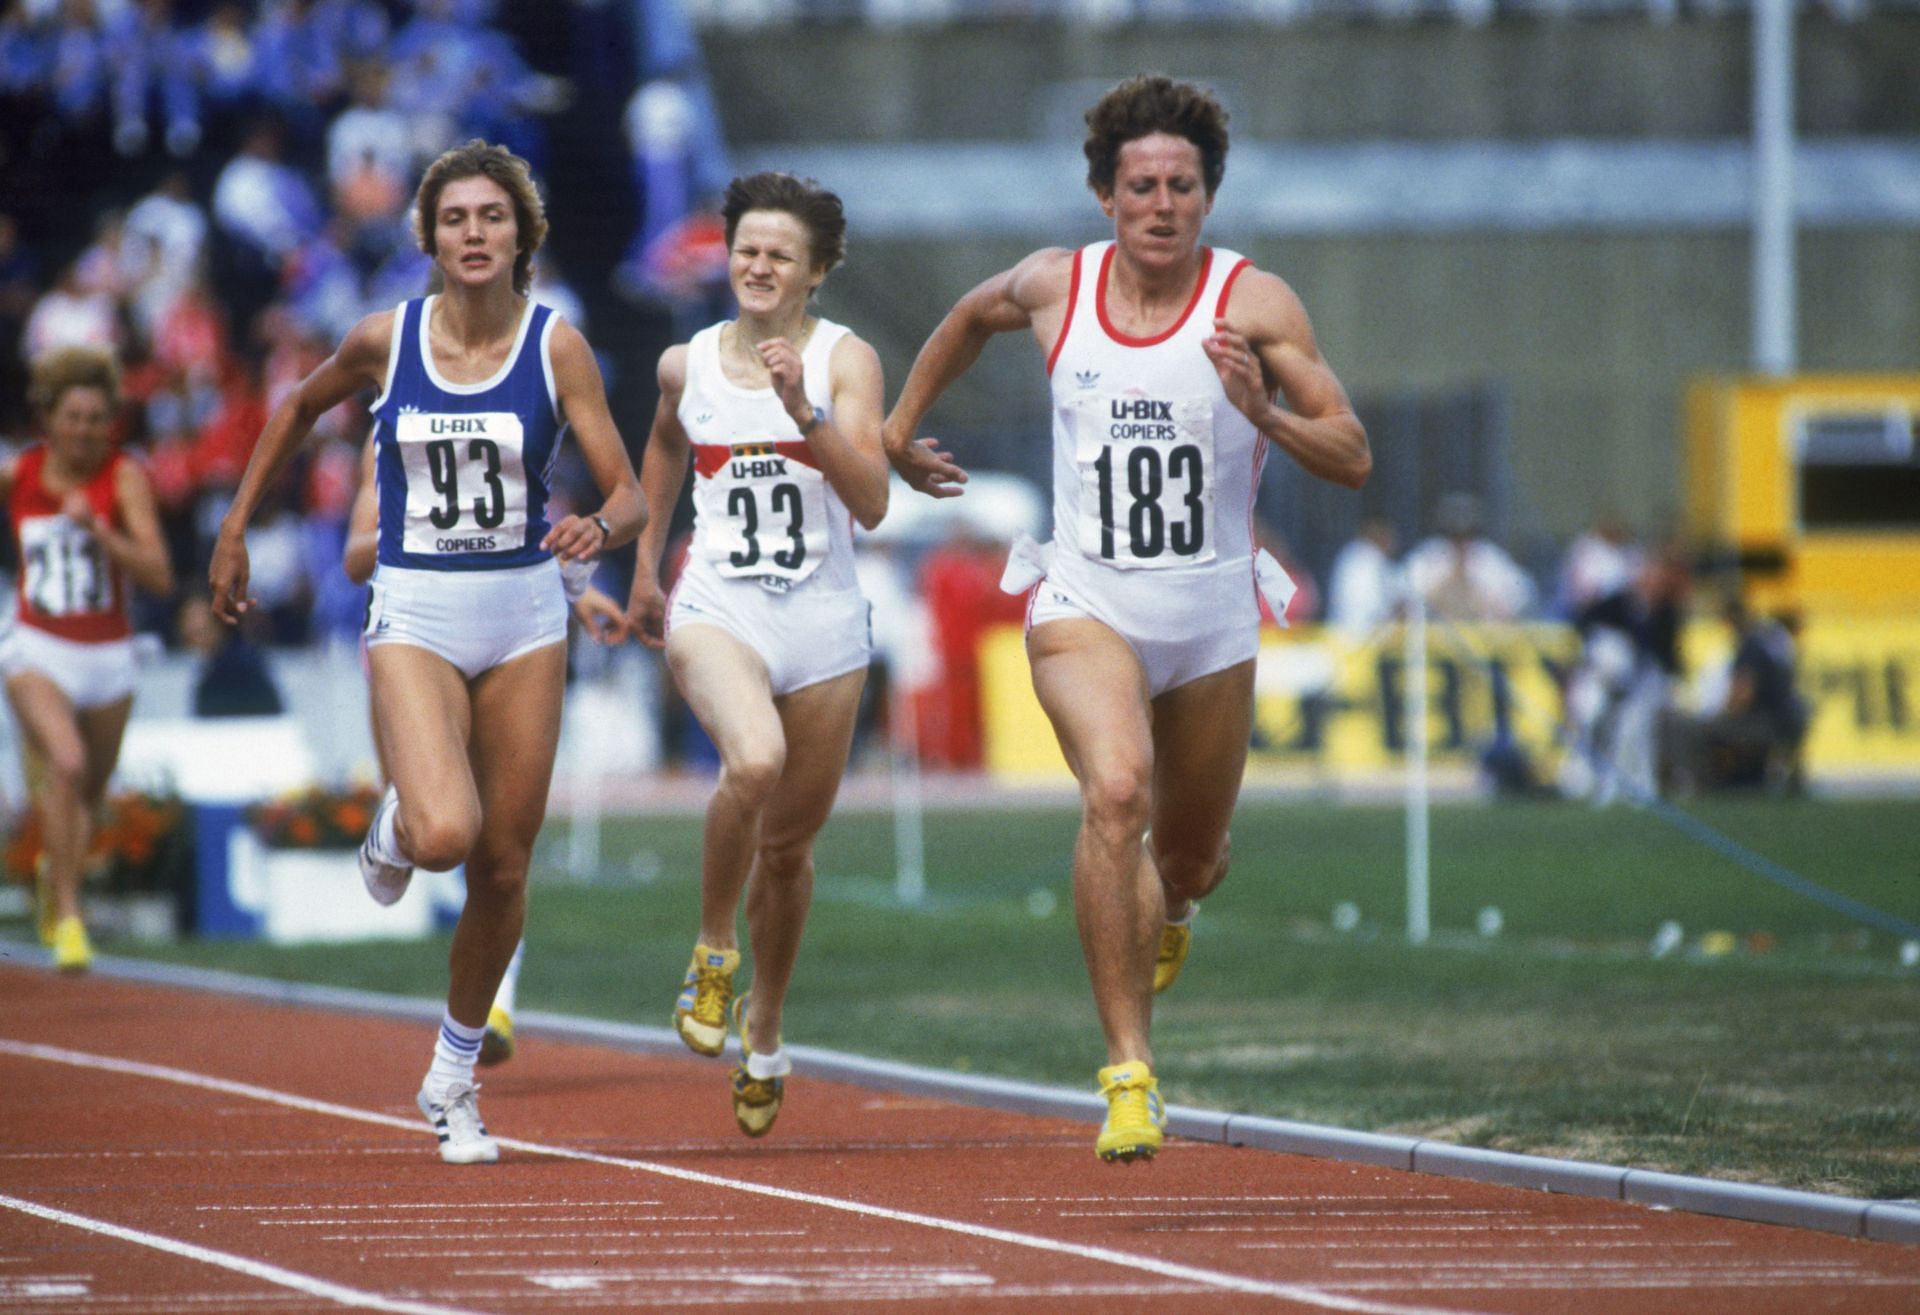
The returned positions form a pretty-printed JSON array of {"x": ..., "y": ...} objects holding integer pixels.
[{"x": 466, "y": 632}]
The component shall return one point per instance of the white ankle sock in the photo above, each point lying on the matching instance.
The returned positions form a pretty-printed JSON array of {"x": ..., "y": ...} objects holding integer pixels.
[
  {"x": 386, "y": 838},
  {"x": 454, "y": 1054},
  {"x": 776, "y": 1065}
]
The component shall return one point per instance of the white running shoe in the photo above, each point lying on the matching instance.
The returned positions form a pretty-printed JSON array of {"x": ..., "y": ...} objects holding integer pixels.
[
  {"x": 455, "y": 1116},
  {"x": 386, "y": 882}
]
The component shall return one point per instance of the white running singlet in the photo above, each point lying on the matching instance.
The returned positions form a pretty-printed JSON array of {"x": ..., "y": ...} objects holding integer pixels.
[
  {"x": 1154, "y": 472},
  {"x": 763, "y": 511},
  {"x": 772, "y": 555}
]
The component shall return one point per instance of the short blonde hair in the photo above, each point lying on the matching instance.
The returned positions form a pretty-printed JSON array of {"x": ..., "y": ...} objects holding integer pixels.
[
  {"x": 479, "y": 159},
  {"x": 58, "y": 372}
]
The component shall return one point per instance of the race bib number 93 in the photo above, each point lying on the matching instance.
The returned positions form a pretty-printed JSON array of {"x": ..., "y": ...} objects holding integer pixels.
[{"x": 466, "y": 482}]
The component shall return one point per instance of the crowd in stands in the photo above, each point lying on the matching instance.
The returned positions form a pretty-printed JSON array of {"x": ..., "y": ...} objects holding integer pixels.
[
  {"x": 218, "y": 191},
  {"x": 275, "y": 147}
]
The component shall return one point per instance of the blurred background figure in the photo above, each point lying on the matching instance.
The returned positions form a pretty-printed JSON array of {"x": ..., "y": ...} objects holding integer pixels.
[
  {"x": 233, "y": 679},
  {"x": 1367, "y": 587},
  {"x": 1602, "y": 561},
  {"x": 1753, "y": 740},
  {"x": 1461, "y": 574}
]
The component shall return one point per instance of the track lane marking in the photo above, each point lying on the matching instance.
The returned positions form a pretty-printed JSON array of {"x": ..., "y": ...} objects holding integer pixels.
[
  {"x": 339, "y": 1293},
  {"x": 1302, "y": 1294}
]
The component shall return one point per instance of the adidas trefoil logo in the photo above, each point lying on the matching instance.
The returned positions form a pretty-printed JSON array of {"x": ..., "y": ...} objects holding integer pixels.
[
  {"x": 703, "y": 418},
  {"x": 409, "y": 410},
  {"x": 1086, "y": 378}
]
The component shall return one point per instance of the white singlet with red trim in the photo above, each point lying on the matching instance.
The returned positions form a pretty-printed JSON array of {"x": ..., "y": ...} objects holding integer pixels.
[
  {"x": 1154, "y": 472},
  {"x": 772, "y": 556},
  {"x": 763, "y": 511}
]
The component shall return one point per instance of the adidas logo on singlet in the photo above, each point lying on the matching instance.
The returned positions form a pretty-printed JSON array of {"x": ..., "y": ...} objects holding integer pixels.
[{"x": 1086, "y": 378}]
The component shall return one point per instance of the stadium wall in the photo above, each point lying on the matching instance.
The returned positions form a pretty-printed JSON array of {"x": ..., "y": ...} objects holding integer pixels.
[{"x": 1592, "y": 331}]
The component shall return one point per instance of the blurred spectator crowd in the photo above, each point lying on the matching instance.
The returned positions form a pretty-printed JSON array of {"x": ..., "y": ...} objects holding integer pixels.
[{"x": 271, "y": 150}]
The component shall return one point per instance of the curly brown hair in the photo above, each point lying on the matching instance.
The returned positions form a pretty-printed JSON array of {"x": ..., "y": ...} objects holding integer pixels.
[
  {"x": 56, "y": 372},
  {"x": 1148, "y": 103},
  {"x": 803, "y": 198},
  {"x": 480, "y": 159}
]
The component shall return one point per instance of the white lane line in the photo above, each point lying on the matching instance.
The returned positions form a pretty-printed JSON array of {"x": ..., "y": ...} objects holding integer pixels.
[
  {"x": 488, "y": 1206},
  {"x": 1295, "y": 1292},
  {"x": 285, "y": 1278}
]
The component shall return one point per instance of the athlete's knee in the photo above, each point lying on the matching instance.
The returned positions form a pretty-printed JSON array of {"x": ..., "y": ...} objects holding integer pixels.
[
  {"x": 1193, "y": 874},
  {"x": 438, "y": 840},
  {"x": 784, "y": 857},
  {"x": 67, "y": 768},
  {"x": 1118, "y": 795},
  {"x": 751, "y": 774},
  {"x": 496, "y": 880}
]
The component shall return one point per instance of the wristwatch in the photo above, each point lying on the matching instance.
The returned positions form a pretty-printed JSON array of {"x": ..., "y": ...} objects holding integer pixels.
[
  {"x": 606, "y": 530},
  {"x": 819, "y": 414}
]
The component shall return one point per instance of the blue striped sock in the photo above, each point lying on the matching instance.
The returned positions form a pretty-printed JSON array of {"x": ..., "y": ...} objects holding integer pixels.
[{"x": 454, "y": 1053}]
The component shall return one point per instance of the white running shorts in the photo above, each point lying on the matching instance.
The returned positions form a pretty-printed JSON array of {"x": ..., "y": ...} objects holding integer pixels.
[
  {"x": 91, "y": 675},
  {"x": 804, "y": 636},
  {"x": 476, "y": 620}
]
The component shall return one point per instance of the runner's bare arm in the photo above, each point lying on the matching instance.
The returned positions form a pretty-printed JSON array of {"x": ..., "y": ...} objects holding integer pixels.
[
  {"x": 141, "y": 550},
  {"x": 362, "y": 551},
  {"x": 1014, "y": 299},
  {"x": 359, "y": 363},
  {"x": 583, "y": 401},
  {"x": 663, "y": 473},
  {"x": 1265, "y": 342},
  {"x": 848, "y": 444}
]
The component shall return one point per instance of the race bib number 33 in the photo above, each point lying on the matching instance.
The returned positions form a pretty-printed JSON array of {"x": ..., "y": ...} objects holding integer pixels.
[
  {"x": 466, "y": 482},
  {"x": 763, "y": 515},
  {"x": 1146, "y": 479}
]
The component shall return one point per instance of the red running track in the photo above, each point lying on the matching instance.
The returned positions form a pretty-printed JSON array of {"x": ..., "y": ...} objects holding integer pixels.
[{"x": 173, "y": 1151}]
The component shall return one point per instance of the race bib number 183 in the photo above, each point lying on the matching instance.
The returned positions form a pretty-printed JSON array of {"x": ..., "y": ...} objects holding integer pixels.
[{"x": 1146, "y": 479}]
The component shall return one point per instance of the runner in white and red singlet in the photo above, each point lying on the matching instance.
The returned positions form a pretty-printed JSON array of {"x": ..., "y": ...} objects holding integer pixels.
[
  {"x": 85, "y": 524},
  {"x": 1166, "y": 359},
  {"x": 767, "y": 634}
]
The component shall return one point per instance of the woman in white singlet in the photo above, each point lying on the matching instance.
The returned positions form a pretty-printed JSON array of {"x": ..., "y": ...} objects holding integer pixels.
[
  {"x": 1164, "y": 358},
  {"x": 767, "y": 634},
  {"x": 467, "y": 626}
]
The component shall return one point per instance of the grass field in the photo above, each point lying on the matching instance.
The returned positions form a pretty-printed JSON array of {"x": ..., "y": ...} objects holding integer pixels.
[{"x": 1794, "y": 1059}]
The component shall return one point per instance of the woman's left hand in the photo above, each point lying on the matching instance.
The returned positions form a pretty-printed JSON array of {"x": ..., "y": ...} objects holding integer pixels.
[
  {"x": 1238, "y": 366},
  {"x": 789, "y": 376},
  {"x": 575, "y": 539}
]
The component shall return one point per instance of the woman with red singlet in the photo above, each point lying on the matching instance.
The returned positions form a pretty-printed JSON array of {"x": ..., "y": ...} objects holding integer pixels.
[{"x": 85, "y": 523}]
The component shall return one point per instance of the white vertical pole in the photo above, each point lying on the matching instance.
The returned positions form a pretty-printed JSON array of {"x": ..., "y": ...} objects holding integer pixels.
[
  {"x": 583, "y": 836},
  {"x": 909, "y": 821},
  {"x": 1415, "y": 695},
  {"x": 1775, "y": 310}
]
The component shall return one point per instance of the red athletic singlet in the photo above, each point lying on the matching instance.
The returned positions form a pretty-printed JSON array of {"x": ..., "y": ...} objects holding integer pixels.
[{"x": 69, "y": 587}]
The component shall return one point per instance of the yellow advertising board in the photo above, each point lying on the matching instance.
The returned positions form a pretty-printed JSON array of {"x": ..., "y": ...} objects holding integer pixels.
[{"x": 1331, "y": 705}]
